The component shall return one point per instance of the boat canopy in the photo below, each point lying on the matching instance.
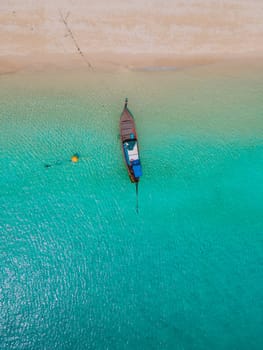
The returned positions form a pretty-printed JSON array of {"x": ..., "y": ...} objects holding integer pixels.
[{"x": 131, "y": 151}]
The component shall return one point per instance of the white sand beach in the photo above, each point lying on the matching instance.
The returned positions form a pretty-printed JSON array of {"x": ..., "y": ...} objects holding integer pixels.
[{"x": 36, "y": 35}]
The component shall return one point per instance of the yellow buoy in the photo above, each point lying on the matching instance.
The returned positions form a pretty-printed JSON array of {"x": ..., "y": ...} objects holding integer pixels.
[{"x": 75, "y": 158}]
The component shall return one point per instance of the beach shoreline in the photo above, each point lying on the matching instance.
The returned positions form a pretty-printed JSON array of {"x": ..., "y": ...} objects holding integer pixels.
[
  {"x": 98, "y": 36},
  {"x": 112, "y": 62},
  {"x": 101, "y": 62}
]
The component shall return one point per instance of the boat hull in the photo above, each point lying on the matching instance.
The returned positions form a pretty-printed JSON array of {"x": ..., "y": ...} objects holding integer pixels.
[{"x": 129, "y": 144}]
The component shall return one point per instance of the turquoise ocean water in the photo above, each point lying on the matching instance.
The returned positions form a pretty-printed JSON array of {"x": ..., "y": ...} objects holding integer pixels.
[{"x": 79, "y": 268}]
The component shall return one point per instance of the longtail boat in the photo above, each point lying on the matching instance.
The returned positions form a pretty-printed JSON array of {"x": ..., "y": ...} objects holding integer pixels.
[{"x": 129, "y": 144}]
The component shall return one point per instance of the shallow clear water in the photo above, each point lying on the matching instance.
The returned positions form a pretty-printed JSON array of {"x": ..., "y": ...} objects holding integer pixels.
[{"x": 79, "y": 268}]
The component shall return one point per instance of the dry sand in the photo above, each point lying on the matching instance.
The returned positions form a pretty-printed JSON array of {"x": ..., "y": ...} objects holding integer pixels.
[{"x": 127, "y": 34}]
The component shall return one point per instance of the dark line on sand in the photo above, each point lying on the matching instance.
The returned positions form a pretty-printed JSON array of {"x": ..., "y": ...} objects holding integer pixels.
[{"x": 65, "y": 21}]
